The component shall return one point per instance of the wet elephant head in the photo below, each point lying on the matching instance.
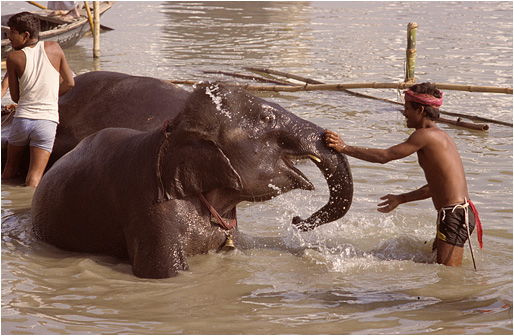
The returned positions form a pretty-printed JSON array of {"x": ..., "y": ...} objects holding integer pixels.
[{"x": 247, "y": 144}]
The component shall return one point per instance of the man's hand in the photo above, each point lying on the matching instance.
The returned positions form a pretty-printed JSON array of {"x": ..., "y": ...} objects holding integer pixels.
[
  {"x": 334, "y": 141},
  {"x": 391, "y": 202}
]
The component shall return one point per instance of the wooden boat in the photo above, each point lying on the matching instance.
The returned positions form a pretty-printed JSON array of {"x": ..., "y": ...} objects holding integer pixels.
[{"x": 66, "y": 33}]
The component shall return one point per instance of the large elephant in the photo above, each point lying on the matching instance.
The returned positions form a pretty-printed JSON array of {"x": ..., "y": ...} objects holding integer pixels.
[
  {"x": 102, "y": 99},
  {"x": 138, "y": 195}
]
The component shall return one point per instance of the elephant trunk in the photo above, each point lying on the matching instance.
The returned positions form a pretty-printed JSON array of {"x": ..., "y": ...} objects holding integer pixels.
[{"x": 336, "y": 170}]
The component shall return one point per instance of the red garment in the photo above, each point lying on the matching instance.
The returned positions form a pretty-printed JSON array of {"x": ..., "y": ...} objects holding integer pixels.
[{"x": 479, "y": 224}]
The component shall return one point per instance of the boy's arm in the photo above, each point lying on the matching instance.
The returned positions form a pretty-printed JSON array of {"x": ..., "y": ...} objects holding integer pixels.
[
  {"x": 392, "y": 201},
  {"x": 66, "y": 74},
  {"x": 13, "y": 61}
]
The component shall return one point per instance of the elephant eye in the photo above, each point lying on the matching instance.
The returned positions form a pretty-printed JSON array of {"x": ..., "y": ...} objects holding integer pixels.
[{"x": 267, "y": 118}]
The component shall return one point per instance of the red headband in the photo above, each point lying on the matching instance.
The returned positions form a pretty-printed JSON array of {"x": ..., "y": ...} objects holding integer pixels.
[{"x": 423, "y": 98}]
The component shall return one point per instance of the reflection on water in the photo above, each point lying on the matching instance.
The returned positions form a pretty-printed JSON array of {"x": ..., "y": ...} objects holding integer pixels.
[{"x": 367, "y": 273}]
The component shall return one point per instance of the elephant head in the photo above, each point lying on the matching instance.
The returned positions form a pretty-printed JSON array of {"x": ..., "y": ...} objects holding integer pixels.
[{"x": 245, "y": 145}]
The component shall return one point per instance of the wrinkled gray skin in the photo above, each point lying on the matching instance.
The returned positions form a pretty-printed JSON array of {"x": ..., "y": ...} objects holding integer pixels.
[{"x": 134, "y": 195}]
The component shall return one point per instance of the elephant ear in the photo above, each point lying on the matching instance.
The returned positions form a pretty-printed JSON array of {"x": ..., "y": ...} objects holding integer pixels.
[{"x": 192, "y": 168}]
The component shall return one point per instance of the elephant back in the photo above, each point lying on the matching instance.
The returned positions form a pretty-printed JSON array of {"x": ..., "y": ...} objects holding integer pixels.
[{"x": 104, "y": 99}]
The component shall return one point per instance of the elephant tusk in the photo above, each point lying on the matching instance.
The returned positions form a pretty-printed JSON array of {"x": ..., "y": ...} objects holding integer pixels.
[{"x": 315, "y": 158}]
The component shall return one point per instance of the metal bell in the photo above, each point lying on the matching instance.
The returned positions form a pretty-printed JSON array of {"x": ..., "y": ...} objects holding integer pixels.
[{"x": 229, "y": 244}]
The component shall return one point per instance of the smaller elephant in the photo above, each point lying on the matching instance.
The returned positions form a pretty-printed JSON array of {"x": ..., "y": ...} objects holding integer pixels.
[{"x": 156, "y": 197}]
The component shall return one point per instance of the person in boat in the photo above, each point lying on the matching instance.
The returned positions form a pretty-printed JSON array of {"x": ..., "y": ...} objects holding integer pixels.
[
  {"x": 68, "y": 9},
  {"x": 34, "y": 70},
  {"x": 440, "y": 160}
]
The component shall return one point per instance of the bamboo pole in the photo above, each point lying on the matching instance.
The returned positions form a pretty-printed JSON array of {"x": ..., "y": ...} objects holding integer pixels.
[
  {"x": 96, "y": 30},
  {"x": 243, "y": 76},
  {"x": 374, "y": 85},
  {"x": 460, "y": 123},
  {"x": 36, "y": 4},
  {"x": 182, "y": 82},
  {"x": 307, "y": 80},
  {"x": 471, "y": 117},
  {"x": 285, "y": 74},
  {"x": 89, "y": 17},
  {"x": 412, "y": 29},
  {"x": 317, "y": 85}
]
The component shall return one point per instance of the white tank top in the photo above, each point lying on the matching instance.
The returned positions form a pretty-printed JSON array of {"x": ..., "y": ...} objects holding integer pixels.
[{"x": 39, "y": 86}]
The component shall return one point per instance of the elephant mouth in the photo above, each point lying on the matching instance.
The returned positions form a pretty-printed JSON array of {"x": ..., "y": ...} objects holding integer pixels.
[{"x": 300, "y": 180}]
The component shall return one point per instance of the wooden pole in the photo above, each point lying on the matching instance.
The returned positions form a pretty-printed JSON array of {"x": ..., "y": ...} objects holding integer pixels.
[
  {"x": 374, "y": 85},
  {"x": 412, "y": 29},
  {"x": 96, "y": 30},
  {"x": 285, "y": 74},
  {"x": 305, "y": 79},
  {"x": 459, "y": 122},
  {"x": 36, "y": 4},
  {"x": 255, "y": 78},
  {"x": 89, "y": 17}
]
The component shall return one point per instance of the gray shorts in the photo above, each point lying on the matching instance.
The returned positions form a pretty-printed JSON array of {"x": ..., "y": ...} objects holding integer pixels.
[{"x": 33, "y": 132}]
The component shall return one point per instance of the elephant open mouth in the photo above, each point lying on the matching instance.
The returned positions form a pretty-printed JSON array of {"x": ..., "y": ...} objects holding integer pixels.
[{"x": 300, "y": 180}]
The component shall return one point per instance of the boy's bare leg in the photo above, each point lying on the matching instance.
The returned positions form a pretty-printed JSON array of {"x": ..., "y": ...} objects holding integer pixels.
[
  {"x": 447, "y": 254},
  {"x": 38, "y": 161},
  {"x": 12, "y": 165}
]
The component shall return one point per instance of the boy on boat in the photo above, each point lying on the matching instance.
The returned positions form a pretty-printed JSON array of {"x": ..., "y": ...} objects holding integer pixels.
[
  {"x": 35, "y": 69},
  {"x": 440, "y": 160}
]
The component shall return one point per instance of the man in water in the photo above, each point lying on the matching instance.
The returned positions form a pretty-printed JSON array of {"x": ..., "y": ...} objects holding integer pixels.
[
  {"x": 444, "y": 172},
  {"x": 34, "y": 69}
]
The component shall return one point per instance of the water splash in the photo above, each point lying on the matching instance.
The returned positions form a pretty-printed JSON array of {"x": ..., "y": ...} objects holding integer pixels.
[
  {"x": 214, "y": 92},
  {"x": 363, "y": 240}
]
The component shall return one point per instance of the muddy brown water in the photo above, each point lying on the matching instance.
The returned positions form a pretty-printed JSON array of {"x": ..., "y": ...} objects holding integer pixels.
[{"x": 368, "y": 273}]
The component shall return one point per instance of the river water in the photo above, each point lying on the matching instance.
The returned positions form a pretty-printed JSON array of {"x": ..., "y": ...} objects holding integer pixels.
[{"x": 368, "y": 273}]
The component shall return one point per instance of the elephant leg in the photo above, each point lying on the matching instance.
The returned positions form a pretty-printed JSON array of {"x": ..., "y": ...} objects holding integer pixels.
[{"x": 155, "y": 259}]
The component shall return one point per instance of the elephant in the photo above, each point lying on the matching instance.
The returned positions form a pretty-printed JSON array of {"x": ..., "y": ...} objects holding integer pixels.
[
  {"x": 102, "y": 99},
  {"x": 156, "y": 197}
]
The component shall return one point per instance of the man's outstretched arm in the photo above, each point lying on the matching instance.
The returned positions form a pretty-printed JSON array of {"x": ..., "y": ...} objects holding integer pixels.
[
  {"x": 392, "y": 201},
  {"x": 374, "y": 155}
]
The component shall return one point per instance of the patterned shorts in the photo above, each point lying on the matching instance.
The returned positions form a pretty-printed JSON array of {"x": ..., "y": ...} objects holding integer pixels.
[{"x": 451, "y": 224}]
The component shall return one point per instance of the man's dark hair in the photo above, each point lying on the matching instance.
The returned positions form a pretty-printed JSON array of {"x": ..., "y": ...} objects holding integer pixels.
[
  {"x": 25, "y": 22},
  {"x": 432, "y": 113}
]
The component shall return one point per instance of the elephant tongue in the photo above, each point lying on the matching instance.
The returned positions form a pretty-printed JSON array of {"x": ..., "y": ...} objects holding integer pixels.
[{"x": 223, "y": 223}]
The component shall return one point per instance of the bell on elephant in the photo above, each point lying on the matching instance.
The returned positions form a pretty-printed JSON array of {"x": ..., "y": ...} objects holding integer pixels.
[{"x": 229, "y": 244}]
